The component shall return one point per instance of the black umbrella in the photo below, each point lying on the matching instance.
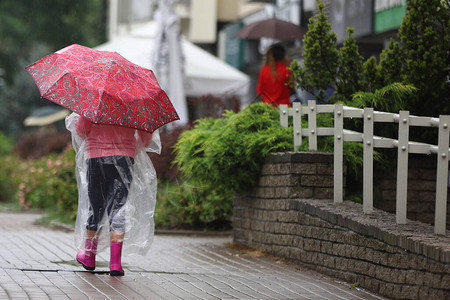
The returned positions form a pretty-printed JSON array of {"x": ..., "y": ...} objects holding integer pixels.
[{"x": 271, "y": 28}]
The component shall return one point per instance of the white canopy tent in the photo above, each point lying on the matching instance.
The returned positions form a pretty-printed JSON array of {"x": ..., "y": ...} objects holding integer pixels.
[{"x": 204, "y": 73}]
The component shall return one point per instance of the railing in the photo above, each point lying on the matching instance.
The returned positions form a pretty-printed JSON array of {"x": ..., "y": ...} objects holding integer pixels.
[{"x": 404, "y": 146}]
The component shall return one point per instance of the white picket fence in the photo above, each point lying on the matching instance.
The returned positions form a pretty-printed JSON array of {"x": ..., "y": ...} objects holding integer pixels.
[{"x": 404, "y": 146}]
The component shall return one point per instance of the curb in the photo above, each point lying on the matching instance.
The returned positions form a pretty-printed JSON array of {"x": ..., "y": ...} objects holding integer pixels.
[{"x": 193, "y": 232}]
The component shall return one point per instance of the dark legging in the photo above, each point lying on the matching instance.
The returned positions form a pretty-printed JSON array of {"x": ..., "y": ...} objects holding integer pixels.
[{"x": 109, "y": 179}]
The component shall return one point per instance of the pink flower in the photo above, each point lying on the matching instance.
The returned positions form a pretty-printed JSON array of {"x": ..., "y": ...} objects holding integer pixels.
[
  {"x": 40, "y": 170},
  {"x": 49, "y": 163},
  {"x": 21, "y": 199},
  {"x": 58, "y": 163},
  {"x": 32, "y": 169},
  {"x": 21, "y": 186}
]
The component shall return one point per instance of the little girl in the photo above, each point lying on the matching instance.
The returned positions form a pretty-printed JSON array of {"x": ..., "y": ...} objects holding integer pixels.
[{"x": 117, "y": 182}]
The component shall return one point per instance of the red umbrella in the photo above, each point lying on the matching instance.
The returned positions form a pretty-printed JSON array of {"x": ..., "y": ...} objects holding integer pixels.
[
  {"x": 103, "y": 87},
  {"x": 271, "y": 28}
]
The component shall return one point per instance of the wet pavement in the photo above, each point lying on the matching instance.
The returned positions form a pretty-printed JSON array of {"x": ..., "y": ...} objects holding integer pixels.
[{"x": 38, "y": 262}]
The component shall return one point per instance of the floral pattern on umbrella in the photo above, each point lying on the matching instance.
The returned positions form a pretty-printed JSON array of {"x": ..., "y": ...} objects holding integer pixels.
[{"x": 103, "y": 87}]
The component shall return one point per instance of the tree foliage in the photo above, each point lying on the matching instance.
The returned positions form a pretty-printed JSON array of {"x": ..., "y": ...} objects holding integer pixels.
[
  {"x": 24, "y": 24},
  {"x": 28, "y": 31},
  {"x": 391, "y": 97},
  {"x": 390, "y": 66},
  {"x": 350, "y": 67},
  {"x": 328, "y": 67},
  {"x": 421, "y": 59},
  {"x": 425, "y": 44},
  {"x": 321, "y": 58}
]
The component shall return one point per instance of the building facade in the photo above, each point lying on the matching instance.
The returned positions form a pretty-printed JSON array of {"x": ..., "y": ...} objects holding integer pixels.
[{"x": 212, "y": 24}]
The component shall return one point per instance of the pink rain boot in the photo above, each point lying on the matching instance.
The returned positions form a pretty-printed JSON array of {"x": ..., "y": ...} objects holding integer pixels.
[
  {"x": 86, "y": 257},
  {"x": 115, "y": 263}
]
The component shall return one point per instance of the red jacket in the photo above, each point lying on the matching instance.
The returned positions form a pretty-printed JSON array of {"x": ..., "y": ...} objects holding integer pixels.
[{"x": 274, "y": 90}]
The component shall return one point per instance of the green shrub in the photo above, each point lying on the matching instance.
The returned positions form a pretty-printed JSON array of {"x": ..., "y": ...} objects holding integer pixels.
[
  {"x": 8, "y": 167},
  {"x": 185, "y": 205},
  {"x": 6, "y": 144},
  {"x": 224, "y": 156},
  {"x": 217, "y": 158},
  {"x": 9, "y": 178},
  {"x": 50, "y": 183},
  {"x": 227, "y": 153}
]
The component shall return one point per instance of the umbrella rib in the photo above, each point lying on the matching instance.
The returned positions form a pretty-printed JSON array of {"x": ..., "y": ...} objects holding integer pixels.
[{"x": 55, "y": 82}]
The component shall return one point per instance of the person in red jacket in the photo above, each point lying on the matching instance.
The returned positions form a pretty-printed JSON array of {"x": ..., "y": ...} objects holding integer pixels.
[{"x": 273, "y": 77}]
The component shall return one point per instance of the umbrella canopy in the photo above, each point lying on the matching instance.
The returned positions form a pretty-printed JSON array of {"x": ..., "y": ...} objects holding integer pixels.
[
  {"x": 271, "y": 28},
  {"x": 103, "y": 87}
]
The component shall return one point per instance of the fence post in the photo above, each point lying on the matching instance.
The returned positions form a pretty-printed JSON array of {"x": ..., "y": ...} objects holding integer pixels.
[
  {"x": 442, "y": 176},
  {"x": 402, "y": 167},
  {"x": 297, "y": 111},
  {"x": 312, "y": 125},
  {"x": 338, "y": 153},
  {"x": 284, "y": 115},
  {"x": 368, "y": 161}
]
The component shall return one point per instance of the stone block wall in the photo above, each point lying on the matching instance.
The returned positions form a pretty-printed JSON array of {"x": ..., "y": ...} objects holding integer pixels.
[
  {"x": 421, "y": 190},
  {"x": 288, "y": 215}
]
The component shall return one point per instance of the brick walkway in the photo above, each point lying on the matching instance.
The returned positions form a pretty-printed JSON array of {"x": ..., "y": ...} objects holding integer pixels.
[{"x": 38, "y": 263}]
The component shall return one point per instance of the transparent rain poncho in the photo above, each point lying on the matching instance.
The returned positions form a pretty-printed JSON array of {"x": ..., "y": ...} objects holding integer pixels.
[{"x": 135, "y": 186}]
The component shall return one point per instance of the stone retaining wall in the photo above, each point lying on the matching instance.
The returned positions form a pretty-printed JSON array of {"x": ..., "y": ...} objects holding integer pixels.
[
  {"x": 288, "y": 215},
  {"x": 421, "y": 190}
]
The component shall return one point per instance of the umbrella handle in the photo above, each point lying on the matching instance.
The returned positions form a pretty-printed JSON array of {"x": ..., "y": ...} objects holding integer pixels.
[{"x": 256, "y": 99}]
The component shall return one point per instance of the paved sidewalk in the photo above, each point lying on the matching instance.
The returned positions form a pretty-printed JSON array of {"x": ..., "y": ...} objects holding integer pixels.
[{"x": 38, "y": 263}]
